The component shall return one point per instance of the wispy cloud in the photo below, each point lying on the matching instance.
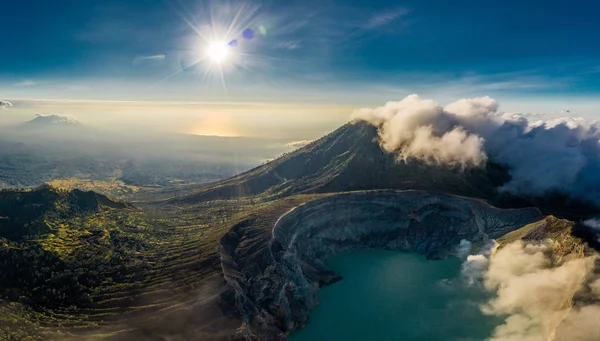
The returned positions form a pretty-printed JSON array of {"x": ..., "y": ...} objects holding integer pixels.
[
  {"x": 289, "y": 45},
  {"x": 321, "y": 30},
  {"x": 297, "y": 144},
  {"x": 156, "y": 57},
  {"x": 26, "y": 82},
  {"x": 385, "y": 18}
]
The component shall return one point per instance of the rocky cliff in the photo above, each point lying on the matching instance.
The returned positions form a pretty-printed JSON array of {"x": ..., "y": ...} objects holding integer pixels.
[{"x": 275, "y": 270}]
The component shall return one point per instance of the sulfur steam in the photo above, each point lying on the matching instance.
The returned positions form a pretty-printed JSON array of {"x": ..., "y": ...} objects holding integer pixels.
[
  {"x": 560, "y": 155},
  {"x": 534, "y": 297}
]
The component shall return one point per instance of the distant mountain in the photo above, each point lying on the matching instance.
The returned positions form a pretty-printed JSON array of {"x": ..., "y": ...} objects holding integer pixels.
[
  {"x": 350, "y": 158},
  {"x": 51, "y": 127},
  {"x": 52, "y": 121}
]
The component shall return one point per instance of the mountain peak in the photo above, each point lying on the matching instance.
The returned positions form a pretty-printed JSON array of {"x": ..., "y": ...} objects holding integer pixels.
[
  {"x": 53, "y": 120},
  {"x": 348, "y": 159}
]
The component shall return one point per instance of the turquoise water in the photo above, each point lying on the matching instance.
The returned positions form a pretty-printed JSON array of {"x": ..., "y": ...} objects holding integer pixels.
[{"x": 388, "y": 295}]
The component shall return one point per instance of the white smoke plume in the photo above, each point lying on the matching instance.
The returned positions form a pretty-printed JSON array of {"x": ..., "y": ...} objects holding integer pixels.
[
  {"x": 464, "y": 249},
  {"x": 5, "y": 104},
  {"x": 580, "y": 325},
  {"x": 535, "y": 298},
  {"x": 560, "y": 155},
  {"x": 297, "y": 144},
  {"x": 475, "y": 265}
]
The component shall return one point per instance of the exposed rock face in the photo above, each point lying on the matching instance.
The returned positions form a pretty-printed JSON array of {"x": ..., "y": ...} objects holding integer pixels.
[{"x": 276, "y": 271}]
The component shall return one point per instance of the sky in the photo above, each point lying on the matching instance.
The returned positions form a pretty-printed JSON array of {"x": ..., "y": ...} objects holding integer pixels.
[{"x": 314, "y": 60}]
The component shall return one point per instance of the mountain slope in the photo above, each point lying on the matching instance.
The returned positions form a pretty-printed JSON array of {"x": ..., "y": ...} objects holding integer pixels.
[
  {"x": 350, "y": 158},
  {"x": 25, "y": 213},
  {"x": 77, "y": 265}
]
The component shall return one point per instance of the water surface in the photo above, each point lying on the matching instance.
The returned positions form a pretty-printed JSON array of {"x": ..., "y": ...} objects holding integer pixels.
[{"x": 396, "y": 296}]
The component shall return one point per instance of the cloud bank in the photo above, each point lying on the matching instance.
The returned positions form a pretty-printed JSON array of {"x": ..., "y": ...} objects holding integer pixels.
[
  {"x": 558, "y": 155},
  {"x": 535, "y": 298}
]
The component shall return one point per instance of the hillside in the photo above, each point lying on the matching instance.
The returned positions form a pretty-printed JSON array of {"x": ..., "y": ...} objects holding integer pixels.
[
  {"x": 98, "y": 272},
  {"x": 74, "y": 264},
  {"x": 25, "y": 213},
  {"x": 79, "y": 265},
  {"x": 347, "y": 159},
  {"x": 350, "y": 159}
]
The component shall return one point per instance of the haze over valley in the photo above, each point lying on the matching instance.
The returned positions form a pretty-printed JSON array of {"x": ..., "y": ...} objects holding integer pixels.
[{"x": 56, "y": 147}]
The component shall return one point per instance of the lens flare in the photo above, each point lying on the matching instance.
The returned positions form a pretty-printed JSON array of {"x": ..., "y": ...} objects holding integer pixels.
[{"x": 225, "y": 41}]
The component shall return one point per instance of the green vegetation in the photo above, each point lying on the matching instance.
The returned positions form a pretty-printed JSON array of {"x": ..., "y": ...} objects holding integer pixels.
[
  {"x": 74, "y": 263},
  {"x": 114, "y": 188}
]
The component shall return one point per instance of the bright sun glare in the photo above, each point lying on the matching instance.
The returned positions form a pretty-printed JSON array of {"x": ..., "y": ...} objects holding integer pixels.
[
  {"x": 217, "y": 51},
  {"x": 224, "y": 43}
]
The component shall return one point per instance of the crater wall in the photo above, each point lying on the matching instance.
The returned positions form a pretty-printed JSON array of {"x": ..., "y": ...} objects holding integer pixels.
[{"x": 275, "y": 270}]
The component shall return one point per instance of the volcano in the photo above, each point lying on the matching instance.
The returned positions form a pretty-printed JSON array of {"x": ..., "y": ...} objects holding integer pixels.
[
  {"x": 351, "y": 158},
  {"x": 348, "y": 159},
  {"x": 52, "y": 121}
]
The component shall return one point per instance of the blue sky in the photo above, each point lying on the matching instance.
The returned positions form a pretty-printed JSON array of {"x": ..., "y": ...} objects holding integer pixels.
[{"x": 338, "y": 52}]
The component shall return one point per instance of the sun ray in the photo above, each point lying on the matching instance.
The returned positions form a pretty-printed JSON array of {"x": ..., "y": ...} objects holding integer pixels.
[
  {"x": 234, "y": 21},
  {"x": 216, "y": 56},
  {"x": 223, "y": 79}
]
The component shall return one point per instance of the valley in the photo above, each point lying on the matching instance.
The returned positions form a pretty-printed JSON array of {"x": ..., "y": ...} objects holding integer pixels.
[
  {"x": 190, "y": 261},
  {"x": 252, "y": 170}
]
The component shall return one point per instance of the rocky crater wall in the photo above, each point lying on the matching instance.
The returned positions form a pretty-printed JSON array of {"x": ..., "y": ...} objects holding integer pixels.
[{"x": 274, "y": 272}]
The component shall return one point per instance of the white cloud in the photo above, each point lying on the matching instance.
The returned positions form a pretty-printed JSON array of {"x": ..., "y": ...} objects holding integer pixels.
[
  {"x": 156, "y": 57},
  {"x": 297, "y": 144},
  {"x": 289, "y": 45},
  {"x": 416, "y": 128},
  {"x": 385, "y": 18},
  {"x": 561, "y": 155}
]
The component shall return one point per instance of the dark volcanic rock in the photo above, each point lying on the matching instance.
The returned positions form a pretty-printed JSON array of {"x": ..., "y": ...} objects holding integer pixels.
[{"x": 275, "y": 271}]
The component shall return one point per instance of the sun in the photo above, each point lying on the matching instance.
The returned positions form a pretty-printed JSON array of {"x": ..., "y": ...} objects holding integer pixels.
[{"x": 217, "y": 51}]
